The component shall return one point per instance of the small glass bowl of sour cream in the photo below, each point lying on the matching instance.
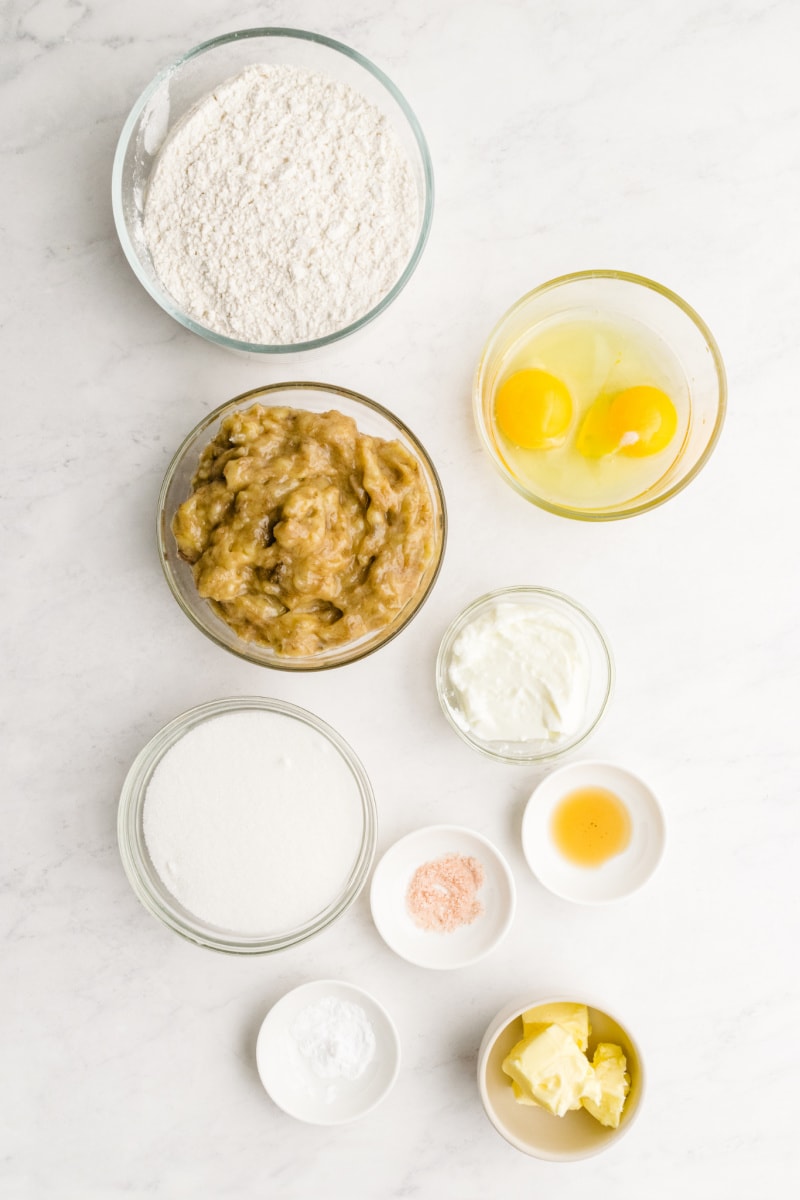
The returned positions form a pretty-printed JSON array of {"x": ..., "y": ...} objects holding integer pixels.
[{"x": 524, "y": 674}]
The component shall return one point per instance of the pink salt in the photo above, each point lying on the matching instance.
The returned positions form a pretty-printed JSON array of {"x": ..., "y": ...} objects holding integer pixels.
[{"x": 442, "y": 895}]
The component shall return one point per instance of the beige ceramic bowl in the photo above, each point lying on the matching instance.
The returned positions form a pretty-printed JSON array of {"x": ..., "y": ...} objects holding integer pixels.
[{"x": 533, "y": 1130}]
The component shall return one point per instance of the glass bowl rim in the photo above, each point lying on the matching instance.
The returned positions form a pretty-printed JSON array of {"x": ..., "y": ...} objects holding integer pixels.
[
  {"x": 217, "y": 415},
  {"x": 576, "y": 514},
  {"x": 151, "y": 285},
  {"x": 462, "y": 619},
  {"x": 131, "y": 804}
]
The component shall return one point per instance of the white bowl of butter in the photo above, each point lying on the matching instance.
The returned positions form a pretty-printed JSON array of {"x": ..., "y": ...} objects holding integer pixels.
[
  {"x": 559, "y": 1079},
  {"x": 524, "y": 674}
]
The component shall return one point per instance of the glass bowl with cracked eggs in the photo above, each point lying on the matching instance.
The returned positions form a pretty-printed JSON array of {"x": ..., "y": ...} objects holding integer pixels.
[
  {"x": 600, "y": 395},
  {"x": 301, "y": 526},
  {"x": 272, "y": 190}
]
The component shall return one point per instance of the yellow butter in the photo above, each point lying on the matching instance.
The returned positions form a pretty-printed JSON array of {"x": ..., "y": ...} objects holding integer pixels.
[
  {"x": 521, "y": 1096},
  {"x": 549, "y": 1067},
  {"x": 609, "y": 1065},
  {"x": 572, "y": 1017}
]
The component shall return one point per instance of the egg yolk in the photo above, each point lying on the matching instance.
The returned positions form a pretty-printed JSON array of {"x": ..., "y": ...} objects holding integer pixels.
[
  {"x": 533, "y": 409},
  {"x": 637, "y": 422}
]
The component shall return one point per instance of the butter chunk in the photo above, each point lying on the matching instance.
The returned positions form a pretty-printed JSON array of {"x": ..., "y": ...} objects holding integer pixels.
[
  {"x": 614, "y": 1082},
  {"x": 521, "y": 1096},
  {"x": 572, "y": 1017},
  {"x": 552, "y": 1070}
]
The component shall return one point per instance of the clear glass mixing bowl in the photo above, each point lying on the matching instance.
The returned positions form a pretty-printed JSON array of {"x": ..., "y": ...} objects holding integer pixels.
[
  {"x": 178, "y": 88},
  {"x": 372, "y": 419},
  {"x": 609, "y": 295},
  {"x": 147, "y": 883},
  {"x": 600, "y": 676}
]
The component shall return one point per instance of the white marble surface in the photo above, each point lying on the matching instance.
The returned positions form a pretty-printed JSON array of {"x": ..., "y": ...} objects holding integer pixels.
[{"x": 656, "y": 137}]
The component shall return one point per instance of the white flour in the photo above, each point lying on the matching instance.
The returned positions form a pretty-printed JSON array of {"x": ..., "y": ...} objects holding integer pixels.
[
  {"x": 253, "y": 822},
  {"x": 282, "y": 208}
]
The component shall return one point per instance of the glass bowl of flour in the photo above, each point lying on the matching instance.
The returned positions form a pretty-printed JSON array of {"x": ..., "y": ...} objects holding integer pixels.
[
  {"x": 272, "y": 190},
  {"x": 247, "y": 825}
]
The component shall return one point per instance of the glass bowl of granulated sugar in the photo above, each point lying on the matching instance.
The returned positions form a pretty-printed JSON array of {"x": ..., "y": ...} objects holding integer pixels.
[
  {"x": 247, "y": 825},
  {"x": 272, "y": 190}
]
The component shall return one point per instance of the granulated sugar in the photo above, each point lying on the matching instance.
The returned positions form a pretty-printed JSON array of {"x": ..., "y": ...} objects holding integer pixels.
[
  {"x": 282, "y": 208},
  {"x": 253, "y": 821}
]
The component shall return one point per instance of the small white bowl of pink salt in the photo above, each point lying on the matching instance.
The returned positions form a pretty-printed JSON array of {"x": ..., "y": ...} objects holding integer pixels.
[{"x": 442, "y": 897}]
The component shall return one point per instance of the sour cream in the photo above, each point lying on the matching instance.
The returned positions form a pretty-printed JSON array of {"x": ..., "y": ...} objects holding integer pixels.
[{"x": 520, "y": 673}]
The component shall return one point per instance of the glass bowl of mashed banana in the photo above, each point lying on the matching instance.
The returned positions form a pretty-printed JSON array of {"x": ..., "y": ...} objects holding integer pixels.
[{"x": 301, "y": 526}]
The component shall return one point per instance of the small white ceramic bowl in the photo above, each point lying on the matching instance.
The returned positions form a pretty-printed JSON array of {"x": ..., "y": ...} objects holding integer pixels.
[
  {"x": 439, "y": 950},
  {"x": 618, "y": 876},
  {"x": 288, "y": 1077},
  {"x": 535, "y": 1131}
]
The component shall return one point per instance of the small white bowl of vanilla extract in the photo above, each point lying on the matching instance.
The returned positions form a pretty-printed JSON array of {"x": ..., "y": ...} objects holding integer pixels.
[{"x": 593, "y": 832}]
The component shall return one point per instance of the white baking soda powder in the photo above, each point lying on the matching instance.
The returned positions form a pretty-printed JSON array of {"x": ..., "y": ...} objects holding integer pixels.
[
  {"x": 253, "y": 821},
  {"x": 335, "y": 1037}
]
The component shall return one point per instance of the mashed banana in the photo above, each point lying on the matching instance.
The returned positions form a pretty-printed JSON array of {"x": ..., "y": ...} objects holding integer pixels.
[{"x": 304, "y": 533}]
